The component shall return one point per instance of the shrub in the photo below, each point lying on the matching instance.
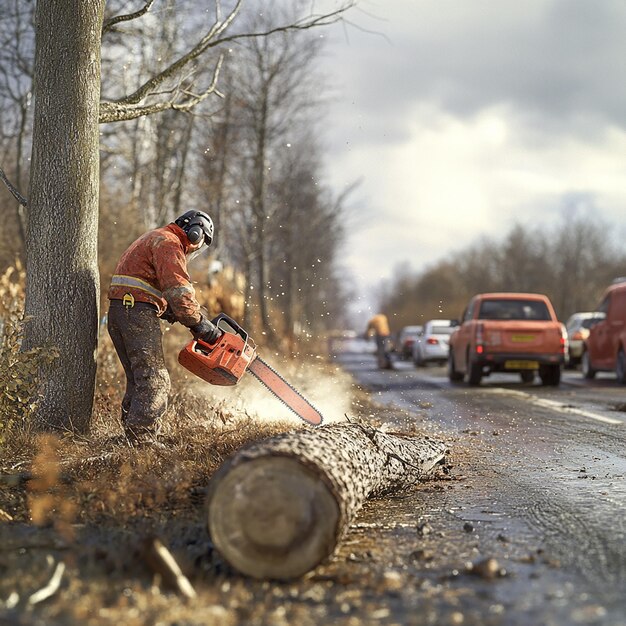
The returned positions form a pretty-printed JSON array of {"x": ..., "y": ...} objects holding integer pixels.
[{"x": 19, "y": 379}]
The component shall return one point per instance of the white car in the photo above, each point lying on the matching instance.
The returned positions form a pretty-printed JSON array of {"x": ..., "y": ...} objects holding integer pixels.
[
  {"x": 578, "y": 327},
  {"x": 406, "y": 339},
  {"x": 432, "y": 343}
]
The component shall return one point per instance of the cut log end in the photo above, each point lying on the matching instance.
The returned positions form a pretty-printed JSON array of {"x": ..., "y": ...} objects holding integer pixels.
[{"x": 272, "y": 517}]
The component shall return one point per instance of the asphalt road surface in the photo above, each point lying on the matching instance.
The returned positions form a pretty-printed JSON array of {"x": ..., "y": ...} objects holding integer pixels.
[{"x": 541, "y": 489}]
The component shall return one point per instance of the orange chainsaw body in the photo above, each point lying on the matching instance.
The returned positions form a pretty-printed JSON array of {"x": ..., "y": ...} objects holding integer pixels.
[
  {"x": 222, "y": 363},
  {"x": 231, "y": 356}
]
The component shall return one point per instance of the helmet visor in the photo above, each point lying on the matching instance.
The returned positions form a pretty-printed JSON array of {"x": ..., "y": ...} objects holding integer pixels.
[{"x": 196, "y": 253}]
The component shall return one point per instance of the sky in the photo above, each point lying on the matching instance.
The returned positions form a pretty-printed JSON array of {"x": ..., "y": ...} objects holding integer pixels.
[{"x": 460, "y": 118}]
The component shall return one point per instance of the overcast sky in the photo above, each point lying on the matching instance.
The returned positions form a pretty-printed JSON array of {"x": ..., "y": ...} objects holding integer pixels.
[{"x": 471, "y": 115}]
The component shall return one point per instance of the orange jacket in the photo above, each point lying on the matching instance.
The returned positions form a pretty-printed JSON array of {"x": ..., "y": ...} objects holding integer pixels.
[
  {"x": 379, "y": 325},
  {"x": 154, "y": 269}
]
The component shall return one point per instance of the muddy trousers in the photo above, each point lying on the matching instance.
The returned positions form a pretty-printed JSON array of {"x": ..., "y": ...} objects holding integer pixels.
[
  {"x": 136, "y": 335},
  {"x": 382, "y": 351}
]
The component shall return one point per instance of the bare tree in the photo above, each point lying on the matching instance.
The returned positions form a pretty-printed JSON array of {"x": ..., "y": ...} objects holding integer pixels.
[
  {"x": 16, "y": 71},
  {"x": 274, "y": 89},
  {"x": 583, "y": 260},
  {"x": 308, "y": 232},
  {"x": 478, "y": 265},
  {"x": 216, "y": 177},
  {"x": 521, "y": 260}
]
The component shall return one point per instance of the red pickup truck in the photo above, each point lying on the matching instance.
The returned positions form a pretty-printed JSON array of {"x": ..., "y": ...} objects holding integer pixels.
[
  {"x": 508, "y": 332},
  {"x": 605, "y": 347}
]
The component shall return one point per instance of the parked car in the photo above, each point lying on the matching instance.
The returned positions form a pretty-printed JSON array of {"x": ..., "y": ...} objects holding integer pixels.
[
  {"x": 605, "y": 347},
  {"x": 406, "y": 340},
  {"x": 578, "y": 326},
  {"x": 508, "y": 332},
  {"x": 432, "y": 343}
]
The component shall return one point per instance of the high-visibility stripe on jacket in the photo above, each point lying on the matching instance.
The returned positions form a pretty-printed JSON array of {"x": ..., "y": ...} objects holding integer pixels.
[
  {"x": 130, "y": 281},
  {"x": 154, "y": 269}
]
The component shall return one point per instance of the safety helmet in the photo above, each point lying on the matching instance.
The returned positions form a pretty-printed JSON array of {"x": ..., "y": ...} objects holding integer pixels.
[{"x": 197, "y": 225}]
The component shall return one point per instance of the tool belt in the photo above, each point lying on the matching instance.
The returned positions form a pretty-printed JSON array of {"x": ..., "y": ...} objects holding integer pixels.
[{"x": 130, "y": 303}]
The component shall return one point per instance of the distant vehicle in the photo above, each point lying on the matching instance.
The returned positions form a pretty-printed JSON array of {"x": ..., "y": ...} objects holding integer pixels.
[
  {"x": 406, "y": 340},
  {"x": 432, "y": 344},
  {"x": 340, "y": 340},
  {"x": 605, "y": 347},
  {"x": 508, "y": 332},
  {"x": 578, "y": 326}
]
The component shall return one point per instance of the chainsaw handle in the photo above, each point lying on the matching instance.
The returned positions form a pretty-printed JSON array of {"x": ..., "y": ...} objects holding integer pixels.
[{"x": 232, "y": 323}]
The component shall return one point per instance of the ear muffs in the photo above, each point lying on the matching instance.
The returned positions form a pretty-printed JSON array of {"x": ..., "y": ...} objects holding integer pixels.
[{"x": 195, "y": 234}]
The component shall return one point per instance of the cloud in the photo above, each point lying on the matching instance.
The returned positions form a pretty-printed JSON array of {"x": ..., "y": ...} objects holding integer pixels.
[
  {"x": 554, "y": 60},
  {"x": 453, "y": 179}
]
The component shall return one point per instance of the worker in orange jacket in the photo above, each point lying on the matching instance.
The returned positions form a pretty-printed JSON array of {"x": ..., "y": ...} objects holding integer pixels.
[
  {"x": 379, "y": 327},
  {"x": 151, "y": 282}
]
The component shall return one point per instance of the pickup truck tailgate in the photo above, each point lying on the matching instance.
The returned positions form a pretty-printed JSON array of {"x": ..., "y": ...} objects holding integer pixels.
[{"x": 522, "y": 337}]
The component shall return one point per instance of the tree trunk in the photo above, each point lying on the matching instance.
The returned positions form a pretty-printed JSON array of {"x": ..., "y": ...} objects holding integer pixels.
[
  {"x": 279, "y": 507},
  {"x": 259, "y": 207},
  {"x": 22, "y": 218},
  {"x": 223, "y": 149},
  {"x": 61, "y": 249},
  {"x": 184, "y": 148}
]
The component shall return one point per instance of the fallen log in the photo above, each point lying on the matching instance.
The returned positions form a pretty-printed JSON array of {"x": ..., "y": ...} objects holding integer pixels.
[{"x": 279, "y": 507}]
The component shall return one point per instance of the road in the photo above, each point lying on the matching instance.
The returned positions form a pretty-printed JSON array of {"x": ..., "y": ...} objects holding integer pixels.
[{"x": 540, "y": 487}]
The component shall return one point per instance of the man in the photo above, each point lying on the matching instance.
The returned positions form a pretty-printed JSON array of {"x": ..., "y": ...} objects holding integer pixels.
[
  {"x": 151, "y": 282},
  {"x": 379, "y": 326}
]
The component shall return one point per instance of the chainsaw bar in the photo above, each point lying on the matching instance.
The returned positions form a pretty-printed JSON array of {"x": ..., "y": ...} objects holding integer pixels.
[{"x": 271, "y": 379}]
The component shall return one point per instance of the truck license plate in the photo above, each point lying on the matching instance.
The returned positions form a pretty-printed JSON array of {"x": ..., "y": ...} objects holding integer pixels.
[
  {"x": 522, "y": 338},
  {"x": 521, "y": 365}
]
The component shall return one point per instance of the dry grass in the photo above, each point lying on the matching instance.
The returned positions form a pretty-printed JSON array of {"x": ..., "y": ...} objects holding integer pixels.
[{"x": 19, "y": 368}]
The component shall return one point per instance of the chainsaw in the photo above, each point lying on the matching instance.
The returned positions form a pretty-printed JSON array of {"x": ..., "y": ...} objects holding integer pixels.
[{"x": 231, "y": 356}]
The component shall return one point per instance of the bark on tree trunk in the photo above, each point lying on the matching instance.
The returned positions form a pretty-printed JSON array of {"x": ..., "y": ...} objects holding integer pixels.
[
  {"x": 279, "y": 507},
  {"x": 259, "y": 207},
  {"x": 61, "y": 250}
]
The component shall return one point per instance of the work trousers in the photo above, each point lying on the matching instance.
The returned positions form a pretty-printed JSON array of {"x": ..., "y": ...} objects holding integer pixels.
[
  {"x": 382, "y": 351},
  {"x": 136, "y": 335}
]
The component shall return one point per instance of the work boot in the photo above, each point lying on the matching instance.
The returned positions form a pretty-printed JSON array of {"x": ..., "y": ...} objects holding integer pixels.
[{"x": 143, "y": 436}]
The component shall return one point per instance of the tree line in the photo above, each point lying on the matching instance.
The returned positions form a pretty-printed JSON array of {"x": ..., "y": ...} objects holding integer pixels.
[
  {"x": 142, "y": 110},
  {"x": 572, "y": 263}
]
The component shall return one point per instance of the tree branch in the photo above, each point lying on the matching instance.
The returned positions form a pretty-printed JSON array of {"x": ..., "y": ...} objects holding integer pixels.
[
  {"x": 125, "y": 108},
  {"x": 108, "y": 24},
  {"x": 16, "y": 194},
  {"x": 115, "y": 112},
  {"x": 146, "y": 89}
]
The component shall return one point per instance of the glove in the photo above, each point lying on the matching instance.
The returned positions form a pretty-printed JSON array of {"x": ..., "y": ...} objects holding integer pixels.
[
  {"x": 205, "y": 331},
  {"x": 168, "y": 315}
]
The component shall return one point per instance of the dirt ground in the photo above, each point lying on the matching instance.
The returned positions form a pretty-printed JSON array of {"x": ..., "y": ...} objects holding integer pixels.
[{"x": 86, "y": 509}]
